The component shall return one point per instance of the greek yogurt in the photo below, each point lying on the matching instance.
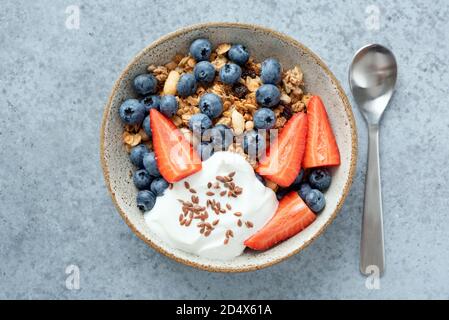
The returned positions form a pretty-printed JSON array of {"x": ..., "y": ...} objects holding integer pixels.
[{"x": 212, "y": 212}]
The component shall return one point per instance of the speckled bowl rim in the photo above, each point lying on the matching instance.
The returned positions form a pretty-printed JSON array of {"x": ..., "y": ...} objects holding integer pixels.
[{"x": 294, "y": 43}]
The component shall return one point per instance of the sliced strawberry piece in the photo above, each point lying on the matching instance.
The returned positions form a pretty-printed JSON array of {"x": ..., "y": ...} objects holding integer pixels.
[
  {"x": 291, "y": 217},
  {"x": 321, "y": 147},
  {"x": 283, "y": 161},
  {"x": 175, "y": 156}
]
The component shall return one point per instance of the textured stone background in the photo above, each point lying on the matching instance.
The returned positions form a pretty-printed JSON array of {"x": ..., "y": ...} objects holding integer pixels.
[{"x": 54, "y": 207}]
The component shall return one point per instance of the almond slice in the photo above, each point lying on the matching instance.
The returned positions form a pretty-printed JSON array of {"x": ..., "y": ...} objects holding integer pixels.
[{"x": 171, "y": 82}]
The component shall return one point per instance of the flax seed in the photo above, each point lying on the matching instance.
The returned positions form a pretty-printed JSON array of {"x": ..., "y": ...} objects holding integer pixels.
[
  {"x": 183, "y": 222},
  {"x": 181, "y": 217},
  {"x": 192, "y": 190},
  {"x": 238, "y": 214},
  {"x": 249, "y": 224},
  {"x": 231, "y": 234},
  {"x": 188, "y": 223},
  {"x": 215, "y": 222},
  {"x": 226, "y": 241},
  {"x": 220, "y": 178},
  {"x": 239, "y": 222},
  {"x": 186, "y": 185},
  {"x": 210, "y": 193},
  {"x": 223, "y": 193},
  {"x": 209, "y": 185},
  {"x": 228, "y": 206},
  {"x": 231, "y": 174},
  {"x": 207, "y": 233}
]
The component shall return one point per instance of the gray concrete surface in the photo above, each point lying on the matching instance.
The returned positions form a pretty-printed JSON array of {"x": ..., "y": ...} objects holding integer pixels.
[{"x": 54, "y": 207}]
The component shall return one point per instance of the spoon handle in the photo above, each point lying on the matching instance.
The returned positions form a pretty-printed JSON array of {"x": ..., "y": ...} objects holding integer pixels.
[{"x": 372, "y": 243}]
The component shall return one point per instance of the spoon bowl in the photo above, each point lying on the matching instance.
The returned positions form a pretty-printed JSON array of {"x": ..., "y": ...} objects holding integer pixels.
[{"x": 372, "y": 78}]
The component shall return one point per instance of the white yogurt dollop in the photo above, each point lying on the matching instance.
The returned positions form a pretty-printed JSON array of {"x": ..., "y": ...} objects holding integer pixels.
[{"x": 256, "y": 203}]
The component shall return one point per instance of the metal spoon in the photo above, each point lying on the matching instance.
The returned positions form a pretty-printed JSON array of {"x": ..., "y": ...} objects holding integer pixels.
[{"x": 372, "y": 77}]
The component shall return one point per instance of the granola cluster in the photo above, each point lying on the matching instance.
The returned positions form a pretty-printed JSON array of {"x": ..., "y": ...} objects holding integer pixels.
[{"x": 239, "y": 100}]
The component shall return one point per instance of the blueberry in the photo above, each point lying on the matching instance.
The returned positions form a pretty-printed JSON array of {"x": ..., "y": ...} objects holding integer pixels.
[
  {"x": 145, "y": 84},
  {"x": 271, "y": 71},
  {"x": 204, "y": 72},
  {"x": 186, "y": 85},
  {"x": 254, "y": 144},
  {"x": 264, "y": 118},
  {"x": 230, "y": 73},
  {"x": 320, "y": 179},
  {"x": 261, "y": 179},
  {"x": 142, "y": 179},
  {"x": 205, "y": 150},
  {"x": 169, "y": 105},
  {"x": 238, "y": 54},
  {"x": 132, "y": 111},
  {"x": 200, "y": 49},
  {"x": 297, "y": 182},
  {"x": 145, "y": 200},
  {"x": 220, "y": 136},
  {"x": 147, "y": 126},
  {"x": 149, "y": 163},
  {"x": 158, "y": 186},
  {"x": 282, "y": 192},
  {"x": 151, "y": 102},
  {"x": 315, "y": 200},
  {"x": 304, "y": 189},
  {"x": 211, "y": 105},
  {"x": 199, "y": 123},
  {"x": 137, "y": 153},
  {"x": 268, "y": 95}
]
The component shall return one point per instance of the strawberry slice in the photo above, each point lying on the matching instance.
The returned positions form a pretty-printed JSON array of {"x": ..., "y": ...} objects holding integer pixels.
[
  {"x": 321, "y": 147},
  {"x": 283, "y": 161},
  {"x": 291, "y": 217},
  {"x": 175, "y": 157}
]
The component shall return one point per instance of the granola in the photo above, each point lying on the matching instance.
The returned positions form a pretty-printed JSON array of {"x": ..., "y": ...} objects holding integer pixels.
[{"x": 239, "y": 100}]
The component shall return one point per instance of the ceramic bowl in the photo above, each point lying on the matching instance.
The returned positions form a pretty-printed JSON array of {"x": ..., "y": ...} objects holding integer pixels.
[{"x": 262, "y": 43}]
